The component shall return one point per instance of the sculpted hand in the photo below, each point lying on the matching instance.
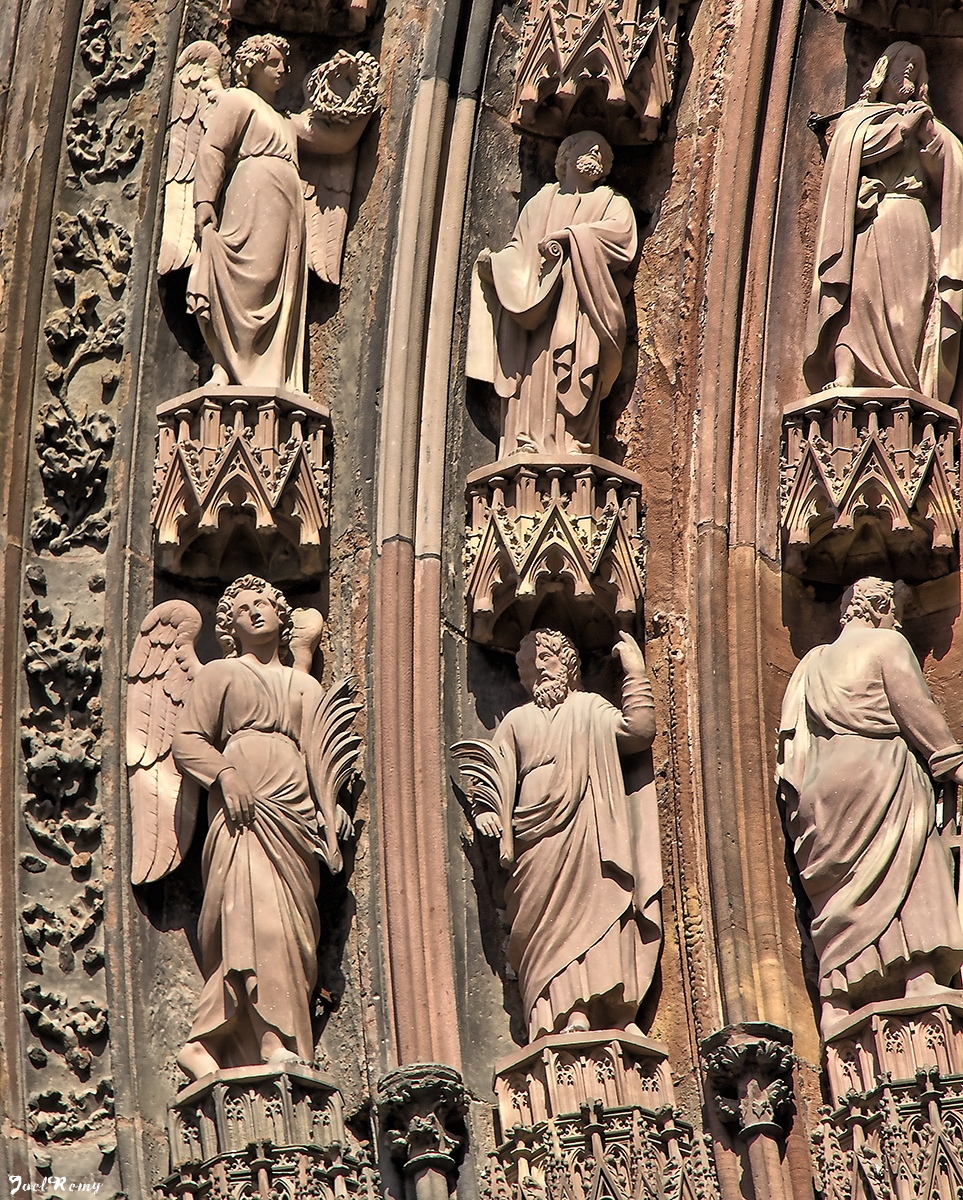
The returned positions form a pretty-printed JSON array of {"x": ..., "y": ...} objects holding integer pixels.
[
  {"x": 484, "y": 264},
  {"x": 488, "y": 824},
  {"x": 627, "y": 649},
  {"x": 204, "y": 214},
  {"x": 238, "y": 799},
  {"x": 345, "y": 824}
]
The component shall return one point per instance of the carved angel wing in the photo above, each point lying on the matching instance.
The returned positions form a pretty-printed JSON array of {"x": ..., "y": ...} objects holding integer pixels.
[
  {"x": 490, "y": 781},
  {"x": 163, "y": 805},
  {"x": 197, "y": 84},
  {"x": 334, "y": 751},
  {"x": 328, "y": 180}
]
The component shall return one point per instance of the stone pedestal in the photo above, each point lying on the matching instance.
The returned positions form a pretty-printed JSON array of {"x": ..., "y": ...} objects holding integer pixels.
[
  {"x": 895, "y": 1040},
  {"x": 560, "y": 1073},
  {"x": 869, "y": 485},
  {"x": 590, "y": 1114},
  {"x": 264, "y": 1132},
  {"x": 568, "y": 525},
  {"x": 895, "y": 1127},
  {"x": 245, "y": 470}
]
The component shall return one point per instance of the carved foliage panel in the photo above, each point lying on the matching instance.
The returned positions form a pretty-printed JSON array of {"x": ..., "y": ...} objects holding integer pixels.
[{"x": 88, "y": 333}]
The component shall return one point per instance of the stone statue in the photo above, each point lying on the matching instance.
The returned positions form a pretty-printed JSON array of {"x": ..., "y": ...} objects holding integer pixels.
[
  {"x": 584, "y": 858},
  {"x": 547, "y": 317},
  {"x": 887, "y": 299},
  {"x": 273, "y": 749},
  {"x": 860, "y": 737},
  {"x": 264, "y": 195}
]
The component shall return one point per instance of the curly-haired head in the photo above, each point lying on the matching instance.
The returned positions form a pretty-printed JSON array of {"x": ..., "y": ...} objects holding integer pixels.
[
  {"x": 871, "y": 599},
  {"x": 224, "y": 622},
  {"x": 254, "y": 51},
  {"x": 563, "y": 649},
  {"x": 874, "y": 85},
  {"x": 580, "y": 143}
]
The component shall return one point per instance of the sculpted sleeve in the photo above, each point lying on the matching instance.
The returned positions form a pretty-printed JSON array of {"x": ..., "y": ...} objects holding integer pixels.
[
  {"x": 915, "y": 709},
  {"x": 218, "y": 145},
  {"x": 637, "y": 726},
  {"x": 199, "y": 726}
]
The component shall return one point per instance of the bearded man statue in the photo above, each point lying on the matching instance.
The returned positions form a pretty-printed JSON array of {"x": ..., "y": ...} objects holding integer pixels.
[
  {"x": 861, "y": 740},
  {"x": 584, "y": 858},
  {"x": 547, "y": 321}
]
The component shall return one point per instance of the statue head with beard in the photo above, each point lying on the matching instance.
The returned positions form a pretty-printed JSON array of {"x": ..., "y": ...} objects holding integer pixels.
[{"x": 548, "y": 666}]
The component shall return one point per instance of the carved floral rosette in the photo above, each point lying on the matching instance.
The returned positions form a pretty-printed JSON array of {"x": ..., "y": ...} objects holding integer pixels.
[
  {"x": 277, "y": 1131},
  {"x": 569, "y": 524},
  {"x": 233, "y": 456},
  {"x": 586, "y": 1114},
  {"x": 896, "y": 1124},
  {"x": 869, "y": 485}
]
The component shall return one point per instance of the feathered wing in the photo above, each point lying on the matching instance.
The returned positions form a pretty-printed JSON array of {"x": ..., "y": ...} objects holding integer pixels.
[
  {"x": 332, "y": 755},
  {"x": 197, "y": 85},
  {"x": 328, "y": 180},
  {"x": 490, "y": 782},
  {"x": 163, "y": 805}
]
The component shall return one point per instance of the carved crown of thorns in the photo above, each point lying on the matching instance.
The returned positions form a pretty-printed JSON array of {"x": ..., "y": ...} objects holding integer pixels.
[{"x": 324, "y": 88}]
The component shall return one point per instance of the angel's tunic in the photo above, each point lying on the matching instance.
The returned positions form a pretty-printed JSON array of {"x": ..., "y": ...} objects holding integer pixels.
[
  {"x": 583, "y": 896},
  {"x": 549, "y": 333},
  {"x": 858, "y": 725},
  {"x": 259, "y": 923},
  {"x": 248, "y": 285}
]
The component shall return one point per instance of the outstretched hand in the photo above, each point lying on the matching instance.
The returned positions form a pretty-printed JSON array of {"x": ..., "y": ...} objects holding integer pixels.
[
  {"x": 488, "y": 824},
  {"x": 627, "y": 649}
]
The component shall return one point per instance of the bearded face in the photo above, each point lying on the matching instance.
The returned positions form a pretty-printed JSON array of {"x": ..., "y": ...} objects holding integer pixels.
[{"x": 551, "y": 688}]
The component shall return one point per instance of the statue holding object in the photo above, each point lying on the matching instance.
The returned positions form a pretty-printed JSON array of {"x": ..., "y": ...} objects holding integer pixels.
[
  {"x": 255, "y": 196},
  {"x": 273, "y": 749},
  {"x": 887, "y": 299},
  {"x": 584, "y": 857},
  {"x": 547, "y": 323},
  {"x": 860, "y": 740}
]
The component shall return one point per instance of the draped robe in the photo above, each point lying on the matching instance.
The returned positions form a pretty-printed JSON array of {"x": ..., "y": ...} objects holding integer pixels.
[
  {"x": 888, "y": 281},
  {"x": 583, "y": 896},
  {"x": 259, "y": 923},
  {"x": 549, "y": 333},
  {"x": 248, "y": 285},
  {"x": 858, "y": 725}
]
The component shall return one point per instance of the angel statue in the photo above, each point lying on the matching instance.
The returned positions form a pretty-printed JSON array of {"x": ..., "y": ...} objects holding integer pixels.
[
  {"x": 273, "y": 750},
  {"x": 255, "y": 196}
]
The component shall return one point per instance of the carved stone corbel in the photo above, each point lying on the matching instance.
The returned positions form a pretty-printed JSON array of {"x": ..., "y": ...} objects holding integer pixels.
[
  {"x": 749, "y": 1075},
  {"x": 421, "y": 1108}
]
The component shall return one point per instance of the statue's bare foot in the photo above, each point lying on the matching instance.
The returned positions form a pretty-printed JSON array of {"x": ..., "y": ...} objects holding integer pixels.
[
  {"x": 923, "y": 983},
  {"x": 633, "y": 1028},
  {"x": 830, "y": 1014},
  {"x": 196, "y": 1061},
  {"x": 274, "y": 1052},
  {"x": 219, "y": 377},
  {"x": 577, "y": 1022}
]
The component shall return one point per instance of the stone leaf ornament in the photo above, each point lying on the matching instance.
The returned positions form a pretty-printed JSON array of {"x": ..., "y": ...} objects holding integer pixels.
[
  {"x": 861, "y": 740},
  {"x": 887, "y": 299},
  {"x": 547, "y": 323},
  {"x": 584, "y": 859},
  {"x": 273, "y": 190},
  {"x": 274, "y": 750}
]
